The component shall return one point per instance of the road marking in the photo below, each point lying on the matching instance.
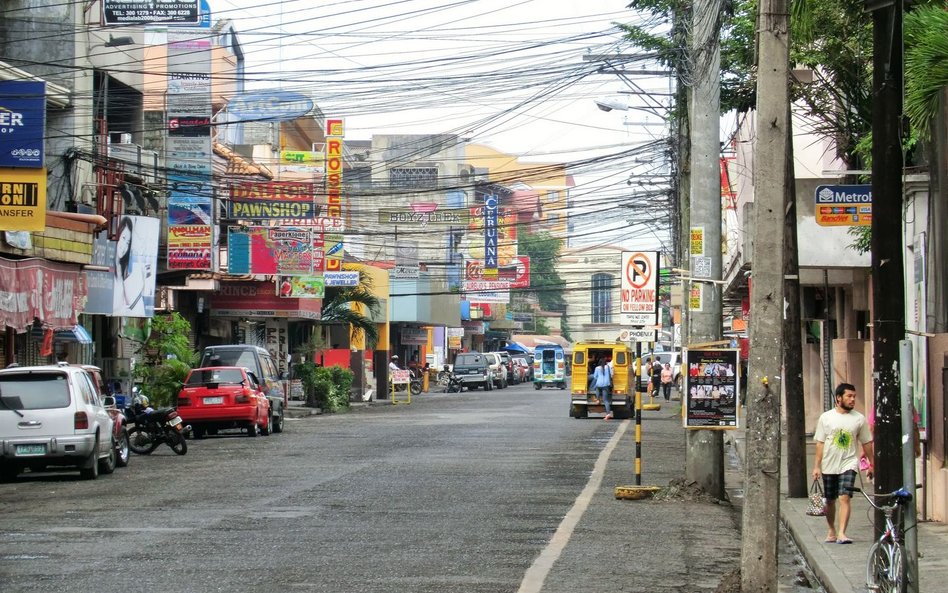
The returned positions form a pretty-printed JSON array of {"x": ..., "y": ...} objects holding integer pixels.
[{"x": 535, "y": 576}]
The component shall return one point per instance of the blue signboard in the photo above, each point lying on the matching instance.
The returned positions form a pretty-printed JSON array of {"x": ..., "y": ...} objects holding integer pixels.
[
  {"x": 22, "y": 123},
  {"x": 843, "y": 194},
  {"x": 490, "y": 235},
  {"x": 269, "y": 105}
]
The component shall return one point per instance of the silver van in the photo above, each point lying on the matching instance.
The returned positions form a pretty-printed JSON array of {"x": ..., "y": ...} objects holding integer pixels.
[{"x": 259, "y": 361}]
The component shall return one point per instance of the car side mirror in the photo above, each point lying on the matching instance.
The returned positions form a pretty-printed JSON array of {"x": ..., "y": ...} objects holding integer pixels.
[{"x": 108, "y": 401}]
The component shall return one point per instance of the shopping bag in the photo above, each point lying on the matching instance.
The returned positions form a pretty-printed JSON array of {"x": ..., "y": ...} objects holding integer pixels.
[{"x": 817, "y": 504}]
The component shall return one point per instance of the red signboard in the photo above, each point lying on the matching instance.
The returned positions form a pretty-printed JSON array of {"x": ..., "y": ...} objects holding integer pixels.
[
  {"x": 39, "y": 289},
  {"x": 259, "y": 299},
  {"x": 514, "y": 275}
]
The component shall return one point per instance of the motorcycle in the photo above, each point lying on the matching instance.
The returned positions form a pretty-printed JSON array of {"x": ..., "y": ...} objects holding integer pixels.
[
  {"x": 454, "y": 384},
  {"x": 414, "y": 382},
  {"x": 154, "y": 427}
]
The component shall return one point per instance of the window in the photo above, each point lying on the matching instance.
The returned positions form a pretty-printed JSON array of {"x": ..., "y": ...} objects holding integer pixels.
[
  {"x": 552, "y": 196},
  {"x": 602, "y": 298},
  {"x": 414, "y": 177}
]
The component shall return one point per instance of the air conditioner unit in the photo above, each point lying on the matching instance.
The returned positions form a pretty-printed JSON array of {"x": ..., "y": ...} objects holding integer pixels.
[
  {"x": 466, "y": 173},
  {"x": 120, "y": 137}
]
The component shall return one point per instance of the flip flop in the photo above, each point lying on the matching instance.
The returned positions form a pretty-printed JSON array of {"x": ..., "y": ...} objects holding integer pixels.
[
  {"x": 844, "y": 540},
  {"x": 830, "y": 540}
]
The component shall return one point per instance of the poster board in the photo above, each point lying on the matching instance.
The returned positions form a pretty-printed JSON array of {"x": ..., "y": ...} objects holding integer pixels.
[{"x": 711, "y": 391}]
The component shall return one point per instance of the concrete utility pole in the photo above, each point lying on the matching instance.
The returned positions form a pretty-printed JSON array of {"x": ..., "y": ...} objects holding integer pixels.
[
  {"x": 705, "y": 448},
  {"x": 888, "y": 297},
  {"x": 762, "y": 460}
]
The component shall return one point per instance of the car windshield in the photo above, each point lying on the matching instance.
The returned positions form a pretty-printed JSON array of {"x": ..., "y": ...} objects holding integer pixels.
[
  {"x": 205, "y": 376},
  {"x": 469, "y": 359},
  {"x": 229, "y": 358},
  {"x": 34, "y": 391}
]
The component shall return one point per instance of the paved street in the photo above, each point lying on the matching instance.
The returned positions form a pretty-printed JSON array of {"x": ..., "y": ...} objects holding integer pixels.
[{"x": 477, "y": 492}]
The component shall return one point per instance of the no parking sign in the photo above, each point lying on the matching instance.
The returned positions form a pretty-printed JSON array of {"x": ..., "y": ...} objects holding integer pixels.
[{"x": 639, "y": 288}]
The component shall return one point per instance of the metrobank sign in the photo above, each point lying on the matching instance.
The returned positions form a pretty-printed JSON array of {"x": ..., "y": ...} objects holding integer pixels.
[{"x": 843, "y": 205}]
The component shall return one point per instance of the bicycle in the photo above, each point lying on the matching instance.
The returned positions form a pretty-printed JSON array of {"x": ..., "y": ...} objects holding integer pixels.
[{"x": 886, "y": 564}]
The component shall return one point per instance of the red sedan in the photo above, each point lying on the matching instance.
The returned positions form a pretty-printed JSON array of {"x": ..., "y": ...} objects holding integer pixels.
[{"x": 216, "y": 398}]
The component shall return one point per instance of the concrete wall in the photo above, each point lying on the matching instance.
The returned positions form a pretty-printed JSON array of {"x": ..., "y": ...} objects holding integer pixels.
[{"x": 936, "y": 475}]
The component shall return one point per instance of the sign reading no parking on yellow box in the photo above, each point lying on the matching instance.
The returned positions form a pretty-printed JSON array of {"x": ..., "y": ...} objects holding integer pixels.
[{"x": 22, "y": 199}]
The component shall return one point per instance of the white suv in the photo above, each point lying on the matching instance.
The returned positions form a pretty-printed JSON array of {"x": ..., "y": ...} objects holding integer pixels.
[
  {"x": 52, "y": 416},
  {"x": 497, "y": 368}
]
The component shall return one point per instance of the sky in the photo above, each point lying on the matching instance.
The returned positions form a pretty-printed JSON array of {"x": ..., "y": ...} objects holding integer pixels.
[{"x": 506, "y": 73}]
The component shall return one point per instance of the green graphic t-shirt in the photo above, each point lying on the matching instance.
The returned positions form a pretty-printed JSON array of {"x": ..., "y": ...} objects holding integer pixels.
[{"x": 842, "y": 436}]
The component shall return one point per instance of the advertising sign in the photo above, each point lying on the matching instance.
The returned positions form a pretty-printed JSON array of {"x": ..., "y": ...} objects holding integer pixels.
[
  {"x": 414, "y": 336},
  {"x": 22, "y": 123},
  {"x": 506, "y": 235},
  {"x": 639, "y": 288},
  {"x": 490, "y": 236},
  {"x": 711, "y": 388},
  {"x": 637, "y": 334},
  {"x": 271, "y": 200},
  {"x": 126, "y": 12},
  {"x": 301, "y": 287},
  {"x": 22, "y": 199},
  {"x": 35, "y": 288},
  {"x": 843, "y": 205},
  {"x": 411, "y": 217},
  {"x": 514, "y": 275},
  {"x": 259, "y": 299},
  {"x": 345, "y": 278},
  {"x": 270, "y": 250},
  {"x": 189, "y": 247},
  {"x": 135, "y": 266},
  {"x": 406, "y": 260},
  {"x": 272, "y": 105}
]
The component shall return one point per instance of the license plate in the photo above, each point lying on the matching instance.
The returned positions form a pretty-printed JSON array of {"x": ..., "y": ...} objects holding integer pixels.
[
  {"x": 31, "y": 449},
  {"x": 214, "y": 400},
  {"x": 175, "y": 421}
]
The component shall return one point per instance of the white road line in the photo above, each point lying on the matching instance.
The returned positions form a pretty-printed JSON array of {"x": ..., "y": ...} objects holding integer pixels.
[{"x": 535, "y": 576}]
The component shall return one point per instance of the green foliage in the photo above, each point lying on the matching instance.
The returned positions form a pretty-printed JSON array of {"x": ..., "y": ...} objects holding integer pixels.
[
  {"x": 862, "y": 238},
  {"x": 544, "y": 251},
  {"x": 926, "y": 65},
  {"x": 325, "y": 388},
  {"x": 337, "y": 309},
  {"x": 166, "y": 358}
]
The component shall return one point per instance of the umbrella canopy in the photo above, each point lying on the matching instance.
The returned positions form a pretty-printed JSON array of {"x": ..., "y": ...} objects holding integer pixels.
[
  {"x": 516, "y": 347},
  {"x": 76, "y": 333}
]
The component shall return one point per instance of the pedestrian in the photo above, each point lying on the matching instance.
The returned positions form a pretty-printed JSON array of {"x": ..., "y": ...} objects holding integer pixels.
[
  {"x": 656, "y": 376},
  {"x": 839, "y": 434},
  {"x": 601, "y": 379},
  {"x": 591, "y": 379},
  {"x": 667, "y": 377}
]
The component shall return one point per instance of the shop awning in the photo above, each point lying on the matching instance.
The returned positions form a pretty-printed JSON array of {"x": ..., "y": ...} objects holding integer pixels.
[{"x": 76, "y": 333}]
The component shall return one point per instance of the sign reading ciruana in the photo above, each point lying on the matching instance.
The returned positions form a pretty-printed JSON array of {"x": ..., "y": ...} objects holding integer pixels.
[
  {"x": 22, "y": 199},
  {"x": 440, "y": 216}
]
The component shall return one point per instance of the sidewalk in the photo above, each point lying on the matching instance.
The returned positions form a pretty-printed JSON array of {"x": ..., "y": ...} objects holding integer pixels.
[{"x": 842, "y": 568}]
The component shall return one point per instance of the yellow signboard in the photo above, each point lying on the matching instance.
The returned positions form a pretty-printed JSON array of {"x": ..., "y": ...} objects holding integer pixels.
[
  {"x": 22, "y": 199},
  {"x": 697, "y": 240}
]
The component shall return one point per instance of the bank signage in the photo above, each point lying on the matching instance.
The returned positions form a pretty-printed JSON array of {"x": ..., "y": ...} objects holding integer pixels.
[
  {"x": 843, "y": 205},
  {"x": 22, "y": 123}
]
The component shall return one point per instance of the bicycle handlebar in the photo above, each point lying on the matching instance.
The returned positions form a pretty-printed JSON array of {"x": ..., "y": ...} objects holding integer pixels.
[{"x": 902, "y": 497}]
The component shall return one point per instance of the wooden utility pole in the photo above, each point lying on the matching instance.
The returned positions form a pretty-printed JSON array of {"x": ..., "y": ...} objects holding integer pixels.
[
  {"x": 704, "y": 461},
  {"x": 888, "y": 298},
  {"x": 762, "y": 468}
]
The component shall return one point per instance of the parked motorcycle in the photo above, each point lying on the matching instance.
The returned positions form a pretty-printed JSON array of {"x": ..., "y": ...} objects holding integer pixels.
[
  {"x": 154, "y": 427},
  {"x": 454, "y": 384}
]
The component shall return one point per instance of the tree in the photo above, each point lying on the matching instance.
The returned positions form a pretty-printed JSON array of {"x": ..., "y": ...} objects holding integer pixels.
[
  {"x": 167, "y": 357},
  {"x": 544, "y": 251},
  {"x": 341, "y": 303}
]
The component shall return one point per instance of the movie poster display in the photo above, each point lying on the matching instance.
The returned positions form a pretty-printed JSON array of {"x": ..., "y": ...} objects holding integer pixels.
[{"x": 711, "y": 388}]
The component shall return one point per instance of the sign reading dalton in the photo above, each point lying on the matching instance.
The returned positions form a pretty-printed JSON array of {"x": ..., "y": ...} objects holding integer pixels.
[
  {"x": 639, "y": 288},
  {"x": 274, "y": 199},
  {"x": 118, "y": 12},
  {"x": 843, "y": 205}
]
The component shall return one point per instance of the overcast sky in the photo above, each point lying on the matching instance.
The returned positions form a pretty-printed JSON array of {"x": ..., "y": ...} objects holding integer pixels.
[{"x": 506, "y": 73}]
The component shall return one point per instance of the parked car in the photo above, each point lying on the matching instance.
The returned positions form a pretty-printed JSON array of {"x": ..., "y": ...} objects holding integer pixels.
[
  {"x": 508, "y": 364},
  {"x": 497, "y": 368},
  {"x": 264, "y": 368},
  {"x": 215, "y": 398},
  {"x": 114, "y": 408},
  {"x": 53, "y": 416},
  {"x": 522, "y": 370},
  {"x": 474, "y": 371}
]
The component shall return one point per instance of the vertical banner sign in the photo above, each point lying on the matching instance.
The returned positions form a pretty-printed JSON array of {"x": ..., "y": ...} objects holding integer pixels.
[
  {"x": 135, "y": 266},
  {"x": 335, "y": 129},
  {"x": 490, "y": 236},
  {"x": 711, "y": 388},
  {"x": 22, "y": 123},
  {"x": 188, "y": 152},
  {"x": 639, "y": 288}
]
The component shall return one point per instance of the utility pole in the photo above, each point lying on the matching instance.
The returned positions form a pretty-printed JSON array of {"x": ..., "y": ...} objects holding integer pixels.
[
  {"x": 888, "y": 298},
  {"x": 762, "y": 466},
  {"x": 705, "y": 448}
]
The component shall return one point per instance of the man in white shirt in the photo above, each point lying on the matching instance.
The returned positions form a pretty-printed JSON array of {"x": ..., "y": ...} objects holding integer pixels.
[
  {"x": 393, "y": 363},
  {"x": 839, "y": 434}
]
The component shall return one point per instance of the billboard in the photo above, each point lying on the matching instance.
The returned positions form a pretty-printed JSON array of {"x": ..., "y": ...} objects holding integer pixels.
[
  {"x": 22, "y": 123},
  {"x": 22, "y": 199}
]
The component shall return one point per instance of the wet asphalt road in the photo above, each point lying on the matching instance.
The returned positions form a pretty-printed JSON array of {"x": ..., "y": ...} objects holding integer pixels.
[{"x": 453, "y": 493}]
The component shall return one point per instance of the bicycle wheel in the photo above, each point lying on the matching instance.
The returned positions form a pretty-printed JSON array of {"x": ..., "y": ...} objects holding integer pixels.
[{"x": 885, "y": 568}]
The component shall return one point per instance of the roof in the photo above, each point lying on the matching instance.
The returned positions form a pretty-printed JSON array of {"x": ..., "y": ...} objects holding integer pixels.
[{"x": 239, "y": 165}]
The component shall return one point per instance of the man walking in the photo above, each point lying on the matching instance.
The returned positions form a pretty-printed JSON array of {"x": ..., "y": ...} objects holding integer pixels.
[{"x": 839, "y": 434}]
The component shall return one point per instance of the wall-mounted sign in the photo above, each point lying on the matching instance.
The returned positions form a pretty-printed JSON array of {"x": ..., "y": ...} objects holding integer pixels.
[
  {"x": 344, "y": 278},
  {"x": 22, "y": 199},
  {"x": 413, "y": 336},
  {"x": 410, "y": 217},
  {"x": 843, "y": 205},
  {"x": 125, "y": 12},
  {"x": 490, "y": 237},
  {"x": 274, "y": 199},
  {"x": 301, "y": 287},
  {"x": 269, "y": 105},
  {"x": 711, "y": 388},
  {"x": 22, "y": 123}
]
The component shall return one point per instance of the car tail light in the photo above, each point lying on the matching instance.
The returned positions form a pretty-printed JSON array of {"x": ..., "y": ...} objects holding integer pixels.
[
  {"x": 80, "y": 421},
  {"x": 244, "y": 396},
  {"x": 184, "y": 401}
]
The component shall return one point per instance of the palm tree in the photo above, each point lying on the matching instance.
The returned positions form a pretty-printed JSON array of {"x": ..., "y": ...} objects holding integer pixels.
[{"x": 338, "y": 308}]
